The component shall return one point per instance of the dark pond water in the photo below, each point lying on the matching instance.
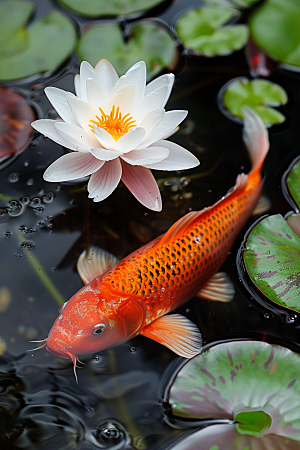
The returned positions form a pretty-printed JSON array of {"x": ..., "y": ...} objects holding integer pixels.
[{"x": 119, "y": 402}]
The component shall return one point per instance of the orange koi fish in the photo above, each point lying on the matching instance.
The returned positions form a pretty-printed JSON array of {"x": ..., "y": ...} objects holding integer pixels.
[{"x": 123, "y": 299}]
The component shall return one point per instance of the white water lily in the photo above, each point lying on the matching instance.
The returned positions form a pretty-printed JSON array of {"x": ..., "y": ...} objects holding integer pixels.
[{"x": 116, "y": 129}]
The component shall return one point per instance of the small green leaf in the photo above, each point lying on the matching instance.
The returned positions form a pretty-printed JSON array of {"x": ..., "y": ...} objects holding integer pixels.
[
  {"x": 49, "y": 41},
  {"x": 293, "y": 183},
  {"x": 252, "y": 423},
  {"x": 98, "y": 8},
  {"x": 148, "y": 41},
  {"x": 259, "y": 95},
  {"x": 274, "y": 27},
  {"x": 203, "y": 31},
  {"x": 232, "y": 3}
]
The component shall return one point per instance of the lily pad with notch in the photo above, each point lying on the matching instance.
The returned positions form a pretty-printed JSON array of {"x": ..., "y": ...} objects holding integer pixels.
[
  {"x": 274, "y": 27},
  {"x": 215, "y": 386},
  {"x": 148, "y": 41},
  {"x": 271, "y": 254},
  {"x": 101, "y": 8},
  {"x": 38, "y": 48},
  {"x": 260, "y": 95},
  {"x": 207, "y": 31}
]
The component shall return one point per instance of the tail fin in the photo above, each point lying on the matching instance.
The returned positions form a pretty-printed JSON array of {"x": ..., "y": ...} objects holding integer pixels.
[{"x": 255, "y": 137}]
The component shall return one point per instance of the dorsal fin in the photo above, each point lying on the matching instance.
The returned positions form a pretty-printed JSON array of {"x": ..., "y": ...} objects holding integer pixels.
[
  {"x": 94, "y": 263},
  {"x": 181, "y": 226}
]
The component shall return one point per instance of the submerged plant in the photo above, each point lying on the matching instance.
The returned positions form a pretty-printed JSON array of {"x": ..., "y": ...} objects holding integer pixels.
[
  {"x": 116, "y": 129},
  {"x": 252, "y": 387}
]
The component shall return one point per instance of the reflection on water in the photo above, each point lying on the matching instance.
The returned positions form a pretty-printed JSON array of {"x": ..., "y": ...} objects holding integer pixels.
[{"x": 45, "y": 226}]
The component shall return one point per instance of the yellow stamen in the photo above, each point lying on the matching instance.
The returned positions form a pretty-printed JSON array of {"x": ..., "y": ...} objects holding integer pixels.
[{"x": 114, "y": 123}]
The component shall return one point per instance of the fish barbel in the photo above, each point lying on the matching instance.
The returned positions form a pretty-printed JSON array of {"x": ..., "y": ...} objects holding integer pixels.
[{"x": 124, "y": 298}]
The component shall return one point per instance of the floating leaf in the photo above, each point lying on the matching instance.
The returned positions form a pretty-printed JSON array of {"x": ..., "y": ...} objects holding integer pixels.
[
  {"x": 42, "y": 47},
  {"x": 203, "y": 31},
  {"x": 215, "y": 385},
  {"x": 293, "y": 182},
  {"x": 15, "y": 119},
  {"x": 260, "y": 95},
  {"x": 148, "y": 41},
  {"x": 272, "y": 261},
  {"x": 97, "y": 8},
  {"x": 14, "y": 15},
  {"x": 232, "y": 3},
  {"x": 274, "y": 27}
]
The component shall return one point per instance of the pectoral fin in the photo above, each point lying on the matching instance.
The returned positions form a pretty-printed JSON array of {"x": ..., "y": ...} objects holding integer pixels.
[
  {"x": 177, "y": 333},
  {"x": 94, "y": 263},
  {"x": 219, "y": 288}
]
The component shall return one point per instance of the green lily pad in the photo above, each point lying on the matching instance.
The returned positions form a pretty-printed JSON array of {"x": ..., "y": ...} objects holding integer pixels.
[
  {"x": 98, "y": 8},
  {"x": 203, "y": 31},
  {"x": 293, "y": 182},
  {"x": 148, "y": 41},
  {"x": 14, "y": 15},
  {"x": 215, "y": 385},
  {"x": 232, "y": 3},
  {"x": 41, "y": 47},
  {"x": 260, "y": 95},
  {"x": 274, "y": 27}
]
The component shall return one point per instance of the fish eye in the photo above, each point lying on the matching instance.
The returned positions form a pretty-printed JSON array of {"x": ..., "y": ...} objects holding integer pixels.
[
  {"x": 98, "y": 329},
  {"x": 62, "y": 307}
]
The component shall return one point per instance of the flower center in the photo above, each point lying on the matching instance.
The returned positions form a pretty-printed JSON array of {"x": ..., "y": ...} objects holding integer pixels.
[{"x": 114, "y": 123}]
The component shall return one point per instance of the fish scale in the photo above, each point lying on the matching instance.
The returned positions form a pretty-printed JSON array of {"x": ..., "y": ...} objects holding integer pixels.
[{"x": 163, "y": 277}]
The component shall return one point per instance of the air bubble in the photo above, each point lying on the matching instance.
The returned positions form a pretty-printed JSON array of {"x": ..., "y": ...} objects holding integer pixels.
[
  {"x": 292, "y": 318},
  {"x": 13, "y": 177},
  {"x": 110, "y": 433},
  {"x": 35, "y": 202},
  {"x": 30, "y": 181},
  {"x": 25, "y": 200},
  {"x": 133, "y": 349},
  {"x": 7, "y": 234},
  {"x": 267, "y": 315},
  {"x": 15, "y": 208},
  {"x": 41, "y": 223},
  {"x": 27, "y": 244},
  {"x": 47, "y": 198},
  {"x": 39, "y": 209},
  {"x": 187, "y": 311},
  {"x": 26, "y": 163},
  {"x": 29, "y": 231},
  {"x": 3, "y": 215}
]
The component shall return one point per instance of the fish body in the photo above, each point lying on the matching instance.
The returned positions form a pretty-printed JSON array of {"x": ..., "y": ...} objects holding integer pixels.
[{"x": 134, "y": 296}]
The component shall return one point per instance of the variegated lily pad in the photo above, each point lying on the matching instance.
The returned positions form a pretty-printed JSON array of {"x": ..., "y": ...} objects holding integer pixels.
[
  {"x": 272, "y": 251},
  {"x": 260, "y": 95},
  {"x": 203, "y": 30},
  {"x": 148, "y": 41},
  {"x": 40, "y": 47},
  {"x": 255, "y": 384}
]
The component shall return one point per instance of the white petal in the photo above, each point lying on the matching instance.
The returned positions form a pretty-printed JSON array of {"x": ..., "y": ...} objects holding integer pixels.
[
  {"x": 164, "y": 80},
  {"x": 95, "y": 94},
  {"x": 105, "y": 155},
  {"x": 105, "y": 139},
  {"x": 77, "y": 85},
  {"x": 152, "y": 119},
  {"x": 58, "y": 98},
  {"x": 131, "y": 139},
  {"x": 135, "y": 76},
  {"x": 170, "y": 121},
  {"x": 151, "y": 102},
  {"x": 143, "y": 186},
  {"x": 106, "y": 72},
  {"x": 83, "y": 112},
  {"x": 86, "y": 72},
  {"x": 170, "y": 133},
  {"x": 72, "y": 166},
  {"x": 178, "y": 159},
  {"x": 146, "y": 156},
  {"x": 104, "y": 181},
  {"x": 122, "y": 98},
  {"x": 76, "y": 136},
  {"x": 48, "y": 129}
]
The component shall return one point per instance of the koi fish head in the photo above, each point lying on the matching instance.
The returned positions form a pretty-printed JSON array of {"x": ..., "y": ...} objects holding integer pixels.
[{"x": 86, "y": 324}]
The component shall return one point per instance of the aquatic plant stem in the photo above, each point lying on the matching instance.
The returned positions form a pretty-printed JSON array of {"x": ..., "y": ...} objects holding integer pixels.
[{"x": 42, "y": 275}]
